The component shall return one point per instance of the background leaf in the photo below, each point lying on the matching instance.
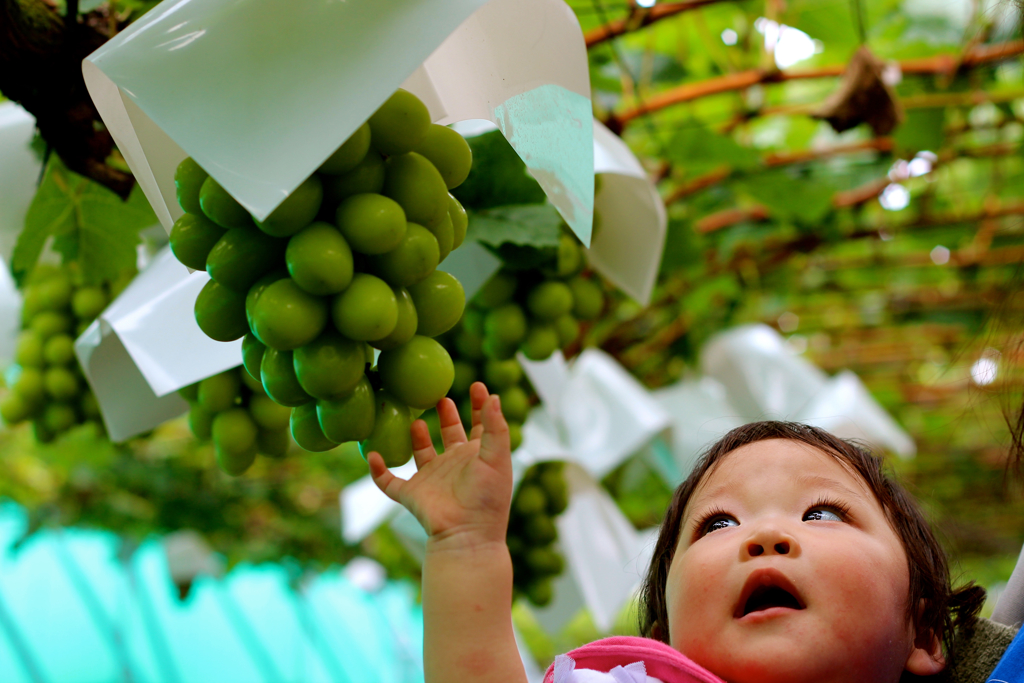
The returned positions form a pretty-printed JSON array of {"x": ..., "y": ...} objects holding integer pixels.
[
  {"x": 498, "y": 176},
  {"x": 535, "y": 225}
]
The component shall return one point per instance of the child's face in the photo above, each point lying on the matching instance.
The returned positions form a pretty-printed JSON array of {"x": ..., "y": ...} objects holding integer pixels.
[{"x": 784, "y": 514}]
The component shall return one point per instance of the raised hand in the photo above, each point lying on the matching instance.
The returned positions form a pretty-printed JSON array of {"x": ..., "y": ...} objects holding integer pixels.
[{"x": 460, "y": 496}]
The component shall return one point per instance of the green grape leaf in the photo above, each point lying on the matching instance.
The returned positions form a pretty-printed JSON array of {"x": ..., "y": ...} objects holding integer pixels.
[
  {"x": 698, "y": 148},
  {"x": 88, "y": 223},
  {"x": 535, "y": 225},
  {"x": 921, "y": 130},
  {"x": 806, "y": 200},
  {"x": 498, "y": 176},
  {"x": 683, "y": 247}
]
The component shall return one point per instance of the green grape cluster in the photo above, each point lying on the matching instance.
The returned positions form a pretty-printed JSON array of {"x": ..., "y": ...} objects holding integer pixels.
[
  {"x": 47, "y": 384},
  {"x": 233, "y": 410},
  {"x": 347, "y": 262},
  {"x": 537, "y": 310},
  {"x": 503, "y": 377},
  {"x": 542, "y": 496}
]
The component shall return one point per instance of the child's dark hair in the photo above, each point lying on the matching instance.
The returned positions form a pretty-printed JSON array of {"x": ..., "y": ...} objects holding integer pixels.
[{"x": 944, "y": 609}]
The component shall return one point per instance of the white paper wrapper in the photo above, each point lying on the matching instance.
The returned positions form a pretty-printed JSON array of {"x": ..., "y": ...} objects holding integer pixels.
[
  {"x": 598, "y": 416},
  {"x": 208, "y": 79},
  {"x": 472, "y": 265},
  {"x": 763, "y": 379},
  {"x": 146, "y": 345},
  {"x": 627, "y": 250},
  {"x": 19, "y": 172},
  {"x": 845, "y": 408}
]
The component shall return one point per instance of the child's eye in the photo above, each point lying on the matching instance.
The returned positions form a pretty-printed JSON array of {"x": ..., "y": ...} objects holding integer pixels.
[
  {"x": 822, "y": 515},
  {"x": 718, "y": 523}
]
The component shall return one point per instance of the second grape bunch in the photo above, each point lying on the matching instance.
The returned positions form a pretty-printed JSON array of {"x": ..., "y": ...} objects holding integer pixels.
[{"x": 345, "y": 265}]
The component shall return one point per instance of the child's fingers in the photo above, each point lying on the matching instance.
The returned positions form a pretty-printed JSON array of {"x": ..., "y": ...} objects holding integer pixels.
[
  {"x": 477, "y": 395},
  {"x": 494, "y": 442},
  {"x": 382, "y": 477},
  {"x": 452, "y": 431},
  {"x": 422, "y": 445}
]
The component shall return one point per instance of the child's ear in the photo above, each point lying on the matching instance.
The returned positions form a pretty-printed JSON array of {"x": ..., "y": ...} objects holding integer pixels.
[{"x": 926, "y": 659}]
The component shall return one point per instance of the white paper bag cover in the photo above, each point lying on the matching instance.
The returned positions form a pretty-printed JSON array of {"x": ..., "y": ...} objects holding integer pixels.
[
  {"x": 19, "y": 173},
  {"x": 594, "y": 413},
  {"x": 261, "y": 92},
  {"x": 628, "y": 248}
]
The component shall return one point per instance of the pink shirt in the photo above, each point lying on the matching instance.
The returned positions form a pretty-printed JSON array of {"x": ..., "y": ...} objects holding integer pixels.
[{"x": 627, "y": 659}]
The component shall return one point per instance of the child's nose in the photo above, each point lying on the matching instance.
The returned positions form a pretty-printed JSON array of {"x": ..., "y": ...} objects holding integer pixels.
[{"x": 770, "y": 540}]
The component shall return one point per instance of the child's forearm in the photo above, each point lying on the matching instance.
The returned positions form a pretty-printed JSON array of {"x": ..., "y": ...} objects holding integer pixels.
[{"x": 467, "y": 614}]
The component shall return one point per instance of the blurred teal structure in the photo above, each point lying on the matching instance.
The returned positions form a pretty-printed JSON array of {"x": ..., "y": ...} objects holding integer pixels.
[{"x": 72, "y": 610}]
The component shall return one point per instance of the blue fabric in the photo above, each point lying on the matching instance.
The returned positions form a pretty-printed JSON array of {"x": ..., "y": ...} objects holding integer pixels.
[{"x": 1011, "y": 667}]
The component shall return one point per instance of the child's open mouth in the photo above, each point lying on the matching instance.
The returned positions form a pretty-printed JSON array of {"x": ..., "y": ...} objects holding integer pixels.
[{"x": 766, "y": 589}]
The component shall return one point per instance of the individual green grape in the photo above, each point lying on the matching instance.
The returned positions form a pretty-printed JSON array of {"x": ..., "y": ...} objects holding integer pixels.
[
  {"x": 553, "y": 482},
  {"x": 405, "y": 327},
  {"x": 14, "y": 408},
  {"x": 252, "y": 354},
  {"x": 29, "y": 349},
  {"x": 515, "y": 404},
  {"x": 541, "y": 341},
  {"x": 274, "y": 444},
  {"x": 465, "y": 375},
  {"x": 319, "y": 259},
  {"x": 419, "y": 373},
  {"x": 286, "y": 317},
  {"x": 306, "y": 430},
  {"x": 350, "y": 418},
  {"x": 188, "y": 180},
  {"x": 460, "y": 221},
  {"x": 505, "y": 324},
  {"x": 254, "y": 384},
  {"x": 89, "y": 406},
  {"x": 55, "y": 292},
  {"x": 200, "y": 421},
  {"x": 449, "y": 152},
  {"x": 588, "y": 299},
  {"x": 349, "y": 154},
  {"x": 502, "y": 374},
  {"x": 444, "y": 233},
  {"x": 190, "y": 393},
  {"x": 295, "y": 212},
  {"x": 330, "y": 366},
  {"x": 390, "y": 436},
  {"x": 220, "y": 312},
  {"x": 399, "y": 124},
  {"x": 540, "y": 592},
  {"x": 61, "y": 384},
  {"x": 30, "y": 385},
  {"x": 544, "y": 561},
  {"x": 221, "y": 208},
  {"x": 234, "y": 440},
  {"x": 569, "y": 260},
  {"x": 192, "y": 238},
  {"x": 530, "y": 500},
  {"x": 470, "y": 345},
  {"x": 366, "y": 310},
  {"x": 568, "y": 329},
  {"x": 267, "y": 414},
  {"x": 415, "y": 257},
  {"x": 540, "y": 529},
  {"x": 279, "y": 380},
  {"x": 440, "y": 301},
  {"x": 550, "y": 300},
  {"x": 88, "y": 302},
  {"x": 256, "y": 291},
  {"x": 497, "y": 349},
  {"x": 515, "y": 435},
  {"x": 49, "y": 323},
  {"x": 497, "y": 291},
  {"x": 242, "y": 256},
  {"x": 372, "y": 223},
  {"x": 59, "y": 417},
  {"x": 367, "y": 176},
  {"x": 218, "y": 392},
  {"x": 59, "y": 349},
  {"x": 413, "y": 182}
]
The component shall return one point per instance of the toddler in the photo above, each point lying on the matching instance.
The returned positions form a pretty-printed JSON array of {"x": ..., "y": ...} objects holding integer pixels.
[{"x": 787, "y": 555}]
